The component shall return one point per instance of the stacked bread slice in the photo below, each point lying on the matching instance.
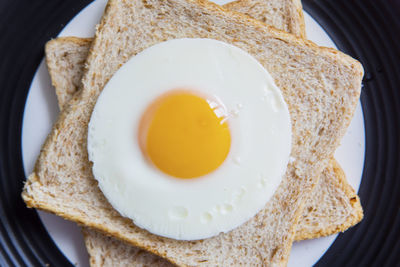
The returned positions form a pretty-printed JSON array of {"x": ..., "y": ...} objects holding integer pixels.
[{"x": 320, "y": 85}]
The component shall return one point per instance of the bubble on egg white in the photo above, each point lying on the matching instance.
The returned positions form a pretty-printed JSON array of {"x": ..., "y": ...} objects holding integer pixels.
[
  {"x": 239, "y": 194},
  {"x": 236, "y": 160},
  {"x": 274, "y": 104},
  {"x": 273, "y": 99},
  {"x": 178, "y": 213},
  {"x": 226, "y": 208},
  {"x": 206, "y": 217},
  {"x": 234, "y": 113},
  {"x": 264, "y": 182}
]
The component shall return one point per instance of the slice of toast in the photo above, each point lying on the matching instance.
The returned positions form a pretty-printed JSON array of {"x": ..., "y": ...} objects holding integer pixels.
[
  {"x": 332, "y": 207},
  {"x": 65, "y": 58},
  {"x": 320, "y": 85}
]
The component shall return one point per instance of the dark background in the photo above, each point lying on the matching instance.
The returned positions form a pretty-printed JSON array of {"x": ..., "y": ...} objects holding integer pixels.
[{"x": 368, "y": 30}]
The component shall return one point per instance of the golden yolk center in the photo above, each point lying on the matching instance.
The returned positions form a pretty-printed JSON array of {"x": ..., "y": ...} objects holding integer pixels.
[{"x": 184, "y": 135}]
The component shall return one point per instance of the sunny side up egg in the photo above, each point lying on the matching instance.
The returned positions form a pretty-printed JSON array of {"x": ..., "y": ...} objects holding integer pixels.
[{"x": 190, "y": 138}]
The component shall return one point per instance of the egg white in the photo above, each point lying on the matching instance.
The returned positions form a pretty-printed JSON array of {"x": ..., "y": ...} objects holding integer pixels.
[{"x": 190, "y": 209}]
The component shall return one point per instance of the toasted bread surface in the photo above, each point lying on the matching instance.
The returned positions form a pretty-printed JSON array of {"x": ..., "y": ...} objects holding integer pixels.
[
  {"x": 67, "y": 58},
  {"x": 332, "y": 207},
  {"x": 107, "y": 251},
  {"x": 320, "y": 85},
  {"x": 285, "y": 15}
]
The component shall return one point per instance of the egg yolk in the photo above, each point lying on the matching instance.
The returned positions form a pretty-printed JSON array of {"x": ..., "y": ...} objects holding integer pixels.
[{"x": 185, "y": 135}]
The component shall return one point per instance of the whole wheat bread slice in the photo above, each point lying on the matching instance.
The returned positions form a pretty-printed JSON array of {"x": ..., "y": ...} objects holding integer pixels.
[
  {"x": 65, "y": 58},
  {"x": 332, "y": 207},
  {"x": 308, "y": 76}
]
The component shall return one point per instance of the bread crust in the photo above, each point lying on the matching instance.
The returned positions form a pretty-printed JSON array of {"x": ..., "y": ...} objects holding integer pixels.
[{"x": 319, "y": 220}]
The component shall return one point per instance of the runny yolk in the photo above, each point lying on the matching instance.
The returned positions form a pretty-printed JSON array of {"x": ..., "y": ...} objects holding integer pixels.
[{"x": 184, "y": 135}]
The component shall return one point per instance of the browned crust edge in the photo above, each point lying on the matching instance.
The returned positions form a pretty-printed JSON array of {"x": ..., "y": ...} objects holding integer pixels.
[
  {"x": 354, "y": 218},
  {"x": 296, "y": 11}
]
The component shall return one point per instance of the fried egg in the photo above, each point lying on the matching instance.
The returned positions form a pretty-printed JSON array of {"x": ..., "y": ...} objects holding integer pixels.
[{"x": 190, "y": 138}]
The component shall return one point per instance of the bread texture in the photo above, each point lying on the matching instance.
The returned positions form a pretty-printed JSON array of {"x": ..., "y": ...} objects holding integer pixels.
[
  {"x": 107, "y": 251},
  {"x": 320, "y": 85},
  {"x": 285, "y": 15},
  {"x": 65, "y": 62},
  {"x": 332, "y": 207}
]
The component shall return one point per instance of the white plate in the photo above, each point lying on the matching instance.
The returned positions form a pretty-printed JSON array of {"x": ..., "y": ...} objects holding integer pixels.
[{"x": 41, "y": 111}]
